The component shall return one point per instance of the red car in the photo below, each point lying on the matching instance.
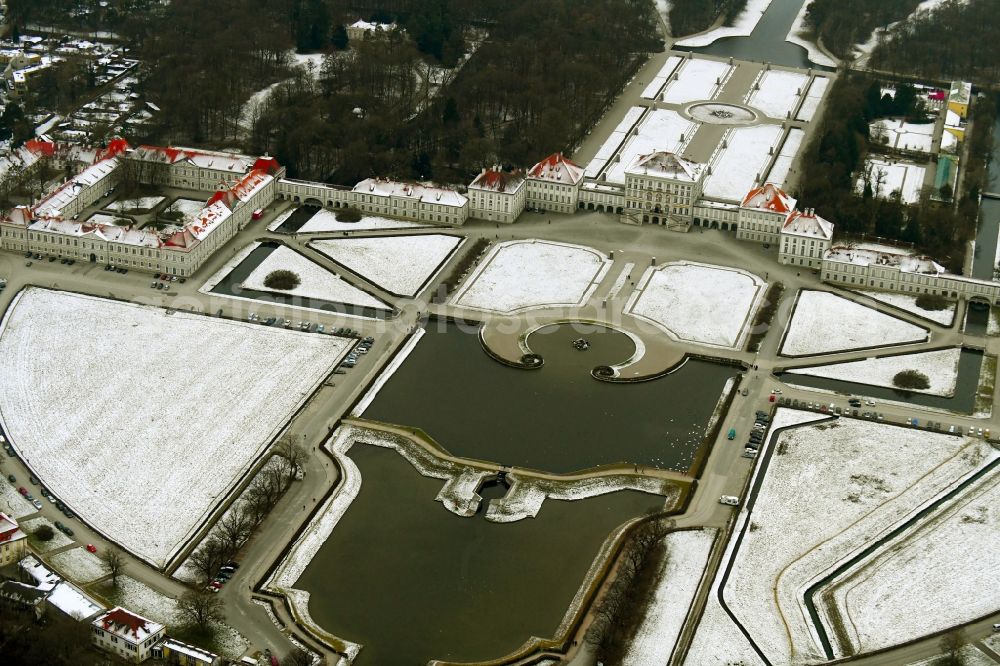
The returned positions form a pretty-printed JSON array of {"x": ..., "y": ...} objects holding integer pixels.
[
  {"x": 91, "y": 548},
  {"x": 771, "y": 399},
  {"x": 23, "y": 490},
  {"x": 257, "y": 214}
]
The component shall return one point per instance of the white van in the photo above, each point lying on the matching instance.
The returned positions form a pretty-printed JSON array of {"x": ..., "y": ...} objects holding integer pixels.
[{"x": 729, "y": 500}]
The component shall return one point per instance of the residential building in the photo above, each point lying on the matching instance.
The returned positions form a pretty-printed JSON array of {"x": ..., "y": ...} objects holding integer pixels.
[
  {"x": 553, "y": 185},
  {"x": 805, "y": 238},
  {"x": 662, "y": 188},
  {"x": 23, "y": 597},
  {"x": 176, "y": 652},
  {"x": 497, "y": 196},
  {"x": 762, "y": 214},
  {"x": 959, "y": 98},
  {"x": 367, "y": 30},
  {"x": 126, "y": 634},
  {"x": 13, "y": 541}
]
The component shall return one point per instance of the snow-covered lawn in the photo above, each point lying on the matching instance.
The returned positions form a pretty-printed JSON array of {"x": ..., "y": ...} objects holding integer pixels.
[
  {"x": 815, "y": 95},
  {"x": 399, "y": 264},
  {"x": 315, "y": 281},
  {"x": 941, "y": 368},
  {"x": 12, "y": 503},
  {"x": 891, "y": 176},
  {"x": 656, "y": 84},
  {"x": 710, "y": 305},
  {"x": 904, "y": 135},
  {"x": 697, "y": 79},
  {"x": 825, "y": 323},
  {"x": 789, "y": 149},
  {"x": 187, "y": 207},
  {"x": 779, "y": 93},
  {"x": 78, "y": 565},
  {"x": 662, "y": 129},
  {"x": 743, "y": 162},
  {"x": 908, "y": 303},
  {"x": 948, "y": 567},
  {"x": 837, "y": 486},
  {"x": 159, "y": 411},
  {"x": 326, "y": 221},
  {"x": 56, "y": 542},
  {"x": 686, "y": 556},
  {"x": 141, "y": 203},
  {"x": 798, "y": 34},
  {"x": 101, "y": 218},
  {"x": 523, "y": 274},
  {"x": 743, "y": 26},
  {"x": 610, "y": 145}
]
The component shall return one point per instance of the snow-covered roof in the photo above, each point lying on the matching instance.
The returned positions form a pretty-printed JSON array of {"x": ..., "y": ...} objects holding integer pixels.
[
  {"x": 53, "y": 205},
  {"x": 9, "y": 531},
  {"x": 497, "y": 180},
  {"x": 769, "y": 197},
  {"x": 44, "y": 577},
  {"x": 666, "y": 165},
  {"x": 183, "y": 648},
  {"x": 952, "y": 119},
  {"x": 70, "y": 600},
  {"x": 868, "y": 256},
  {"x": 961, "y": 92},
  {"x": 127, "y": 625},
  {"x": 21, "y": 592},
  {"x": 424, "y": 193},
  {"x": 808, "y": 223},
  {"x": 206, "y": 159},
  {"x": 365, "y": 25},
  {"x": 556, "y": 168}
]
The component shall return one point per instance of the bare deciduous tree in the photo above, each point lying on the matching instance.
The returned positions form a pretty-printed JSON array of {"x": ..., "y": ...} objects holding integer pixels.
[
  {"x": 113, "y": 563},
  {"x": 200, "y": 608}
]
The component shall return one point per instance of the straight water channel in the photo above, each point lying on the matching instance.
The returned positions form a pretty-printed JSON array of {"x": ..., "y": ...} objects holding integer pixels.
[
  {"x": 970, "y": 364},
  {"x": 412, "y": 582},
  {"x": 556, "y": 418},
  {"x": 984, "y": 258}
]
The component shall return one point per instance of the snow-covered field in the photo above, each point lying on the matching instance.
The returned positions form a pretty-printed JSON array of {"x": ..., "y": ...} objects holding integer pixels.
[
  {"x": 906, "y": 178},
  {"x": 144, "y": 203},
  {"x": 661, "y": 77},
  {"x": 797, "y": 34},
  {"x": 12, "y": 503},
  {"x": 55, "y": 543},
  {"x": 697, "y": 79},
  {"x": 903, "y": 135},
  {"x": 661, "y": 129},
  {"x": 78, "y": 565},
  {"x": 824, "y": 323},
  {"x": 523, "y": 274},
  {"x": 862, "y": 478},
  {"x": 815, "y": 95},
  {"x": 326, "y": 221},
  {"x": 908, "y": 303},
  {"x": 743, "y": 26},
  {"x": 316, "y": 281},
  {"x": 687, "y": 554},
  {"x": 101, "y": 218},
  {"x": 699, "y": 303},
  {"x": 948, "y": 567},
  {"x": 941, "y": 368},
  {"x": 160, "y": 411},
  {"x": 789, "y": 149},
  {"x": 739, "y": 165},
  {"x": 187, "y": 207},
  {"x": 779, "y": 93},
  {"x": 615, "y": 138},
  {"x": 399, "y": 264}
]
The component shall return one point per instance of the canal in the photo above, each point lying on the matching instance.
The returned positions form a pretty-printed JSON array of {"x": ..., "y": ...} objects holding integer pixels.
[
  {"x": 970, "y": 364},
  {"x": 767, "y": 42},
  {"x": 411, "y": 581},
  {"x": 556, "y": 418},
  {"x": 984, "y": 257}
]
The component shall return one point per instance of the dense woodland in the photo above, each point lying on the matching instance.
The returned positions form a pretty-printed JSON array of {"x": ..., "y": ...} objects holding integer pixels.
[
  {"x": 691, "y": 16},
  {"x": 837, "y": 153},
  {"x": 956, "y": 41},
  {"x": 842, "y": 23}
]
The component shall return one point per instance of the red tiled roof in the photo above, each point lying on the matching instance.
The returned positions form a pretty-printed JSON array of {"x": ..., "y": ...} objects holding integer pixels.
[
  {"x": 498, "y": 181},
  {"x": 768, "y": 197},
  {"x": 122, "y": 618}
]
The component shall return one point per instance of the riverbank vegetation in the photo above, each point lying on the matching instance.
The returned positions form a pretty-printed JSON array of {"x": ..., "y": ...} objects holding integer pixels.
[
  {"x": 834, "y": 158},
  {"x": 691, "y": 16},
  {"x": 957, "y": 40},
  {"x": 841, "y": 24}
]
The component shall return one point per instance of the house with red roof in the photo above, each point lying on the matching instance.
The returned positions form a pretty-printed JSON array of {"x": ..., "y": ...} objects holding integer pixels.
[
  {"x": 497, "y": 195},
  {"x": 763, "y": 213},
  {"x": 126, "y": 634},
  {"x": 554, "y": 185},
  {"x": 13, "y": 541}
]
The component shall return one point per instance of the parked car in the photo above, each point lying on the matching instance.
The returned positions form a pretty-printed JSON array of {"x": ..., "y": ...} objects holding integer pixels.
[
  {"x": 12, "y": 478},
  {"x": 33, "y": 480},
  {"x": 91, "y": 548},
  {"x": 37, "y": 504},
  {"x": 729, "y": 500},
  {"x": 60, "y": 526},
  {"x": 23, "y": 491},
  {"x": 731, "y": 434}
]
